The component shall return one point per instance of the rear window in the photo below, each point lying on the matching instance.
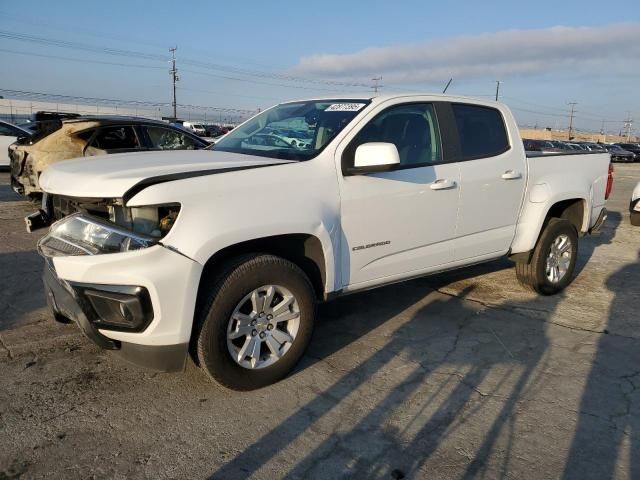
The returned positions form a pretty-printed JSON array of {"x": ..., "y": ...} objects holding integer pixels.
[
  {"x": 482, "y": 131},
  {"x": 43, "y": 129}
]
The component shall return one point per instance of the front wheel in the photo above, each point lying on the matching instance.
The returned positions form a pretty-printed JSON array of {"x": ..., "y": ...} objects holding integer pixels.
[
  {"x": 256, "y": 322},
  {"x": 553, "y": 261}
]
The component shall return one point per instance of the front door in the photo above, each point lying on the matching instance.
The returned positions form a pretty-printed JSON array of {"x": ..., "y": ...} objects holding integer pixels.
[{"x": 400, "y": 221}]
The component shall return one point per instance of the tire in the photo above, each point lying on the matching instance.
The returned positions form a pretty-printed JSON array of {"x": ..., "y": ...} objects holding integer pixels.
[
  {"x": 533, "y": 275},
  {"x": 222, "y": 297},
  {"x": 635, "y": 219}
]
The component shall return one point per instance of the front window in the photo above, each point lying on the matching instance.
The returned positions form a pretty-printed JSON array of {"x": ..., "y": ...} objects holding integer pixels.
[
  {"x": 412, "y": 128},
  {"x": 165, "y": 139},
  {"x": 292, "y": 131}
]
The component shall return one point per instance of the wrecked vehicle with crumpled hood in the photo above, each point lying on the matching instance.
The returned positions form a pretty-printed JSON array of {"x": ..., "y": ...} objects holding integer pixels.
[{"x": 70, "y": 138}]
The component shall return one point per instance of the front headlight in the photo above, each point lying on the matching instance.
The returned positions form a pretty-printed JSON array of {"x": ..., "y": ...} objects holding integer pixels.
[{"x": 81, "y": 234}]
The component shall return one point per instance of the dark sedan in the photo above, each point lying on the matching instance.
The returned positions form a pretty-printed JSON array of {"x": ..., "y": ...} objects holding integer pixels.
[
  {"x": 619, "y": 154},
  {"x": 633, "y": 148}
]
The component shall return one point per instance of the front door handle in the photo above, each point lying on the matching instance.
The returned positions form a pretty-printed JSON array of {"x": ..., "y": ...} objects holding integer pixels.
[
  {"x": 511, "y": 175},
  {"x": 442, "y": 184}
]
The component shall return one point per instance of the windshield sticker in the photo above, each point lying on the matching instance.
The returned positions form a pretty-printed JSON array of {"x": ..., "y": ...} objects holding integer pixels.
[{"x": 344, "y": 107}]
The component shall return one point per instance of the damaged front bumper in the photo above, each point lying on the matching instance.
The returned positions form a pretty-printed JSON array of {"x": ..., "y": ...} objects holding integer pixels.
[
  {"x": 43, "y": 218},
  {"x": 139, "y": 305},
  {"x": 71, "y": 302}
]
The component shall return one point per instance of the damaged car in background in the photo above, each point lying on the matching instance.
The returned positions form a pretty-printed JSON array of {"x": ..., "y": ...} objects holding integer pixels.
[{"x": 67, "y": 138}]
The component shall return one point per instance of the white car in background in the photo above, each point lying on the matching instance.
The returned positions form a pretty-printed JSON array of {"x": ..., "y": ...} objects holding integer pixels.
[
  {"x": 9, "y": 133},
  {"x": 196, "y": 128},
  {"x": 634, "y": 206}
]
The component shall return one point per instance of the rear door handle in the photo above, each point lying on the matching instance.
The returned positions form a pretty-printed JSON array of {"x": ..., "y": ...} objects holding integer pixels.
[
  {"x": 442, "y": 184},
  {"x": 511, "y": 175}
]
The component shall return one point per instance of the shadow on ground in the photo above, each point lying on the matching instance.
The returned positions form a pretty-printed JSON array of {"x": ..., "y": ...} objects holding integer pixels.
[
  {"x": 447, "y": 361},
  {"x": 21, "y": 290},
  {"x": 611, "y": 391}
]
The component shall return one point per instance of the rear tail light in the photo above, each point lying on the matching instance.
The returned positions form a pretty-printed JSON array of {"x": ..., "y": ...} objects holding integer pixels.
[{"x": 607, "y": 192}]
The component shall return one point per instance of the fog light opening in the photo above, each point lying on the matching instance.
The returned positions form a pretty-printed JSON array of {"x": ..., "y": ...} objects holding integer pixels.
[{"x": 120, "y": 308}]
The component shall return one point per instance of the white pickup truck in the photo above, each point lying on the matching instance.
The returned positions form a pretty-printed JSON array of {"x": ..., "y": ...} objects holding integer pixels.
[{"x": 225, "y": 253}]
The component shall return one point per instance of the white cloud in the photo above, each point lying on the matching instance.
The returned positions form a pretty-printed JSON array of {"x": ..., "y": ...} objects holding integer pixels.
[{"x": 493, "y": 55}]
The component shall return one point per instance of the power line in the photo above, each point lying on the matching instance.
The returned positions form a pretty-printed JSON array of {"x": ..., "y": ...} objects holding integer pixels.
[
  {"x": 518, "y": 109},
  {"x": 149, "y": 56},
  {"x": 155, "y": 67},
  {"x": 238, "y": 79},
  {"x": 81, "y": 60},
  {"x": 54, "y": 97}
]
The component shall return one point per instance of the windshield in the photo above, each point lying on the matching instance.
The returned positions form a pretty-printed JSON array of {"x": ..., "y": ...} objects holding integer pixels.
[{"x": 292, "y": 131}]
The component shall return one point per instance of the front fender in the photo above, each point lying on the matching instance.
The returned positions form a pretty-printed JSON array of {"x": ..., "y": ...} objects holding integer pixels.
[{"x": 222, "y": 210}]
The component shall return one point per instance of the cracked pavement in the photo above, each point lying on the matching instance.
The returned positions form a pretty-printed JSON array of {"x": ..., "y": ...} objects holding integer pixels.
[{"x": 459, "y": 375}]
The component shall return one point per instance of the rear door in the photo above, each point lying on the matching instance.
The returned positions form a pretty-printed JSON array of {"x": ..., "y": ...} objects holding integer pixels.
[
  {"x": 403, "y": 220},
  {"x": 493, "y": 174}
]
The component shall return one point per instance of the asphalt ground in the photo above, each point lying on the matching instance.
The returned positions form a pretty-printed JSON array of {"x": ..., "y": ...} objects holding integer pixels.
[{"x": 460, "y": 375}]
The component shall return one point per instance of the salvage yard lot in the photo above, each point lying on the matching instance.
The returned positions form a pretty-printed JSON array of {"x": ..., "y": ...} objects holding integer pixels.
[{"x": 454, "y": 376}]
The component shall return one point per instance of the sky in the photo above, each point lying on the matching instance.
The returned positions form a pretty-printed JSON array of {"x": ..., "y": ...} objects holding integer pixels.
[{"x": 252, "y": 54}]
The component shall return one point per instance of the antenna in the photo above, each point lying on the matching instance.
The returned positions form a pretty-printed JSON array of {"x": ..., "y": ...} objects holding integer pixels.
[{"x": 447, "y": 86}]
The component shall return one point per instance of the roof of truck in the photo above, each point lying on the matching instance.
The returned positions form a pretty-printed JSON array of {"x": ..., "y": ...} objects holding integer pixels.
[{"x": 393, "y": 96}]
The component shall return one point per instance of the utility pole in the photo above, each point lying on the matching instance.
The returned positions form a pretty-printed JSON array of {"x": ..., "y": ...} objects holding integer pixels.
[
  {"x": 571, "y": 115},
  {"x": 498, "y": 82},
  {"x": 376, "y": 84},
  {"x": 627, "y": 126},
  {"x": 174, "y": 79}
]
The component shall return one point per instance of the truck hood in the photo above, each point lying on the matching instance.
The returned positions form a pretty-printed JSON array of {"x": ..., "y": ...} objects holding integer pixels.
[{"x": 113, "y": 175}]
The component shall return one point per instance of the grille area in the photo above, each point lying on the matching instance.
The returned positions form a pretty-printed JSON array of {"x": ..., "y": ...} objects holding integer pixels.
[{"x": 63, "y": 206}]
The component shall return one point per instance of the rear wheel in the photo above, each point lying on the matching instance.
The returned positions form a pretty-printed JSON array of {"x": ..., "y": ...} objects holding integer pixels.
[
  {"x": 553, "y": 261},
  {"x": 256, "y": 322}
]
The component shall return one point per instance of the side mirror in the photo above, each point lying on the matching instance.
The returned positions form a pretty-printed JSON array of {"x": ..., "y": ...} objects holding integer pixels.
[{"x": 376, "y": 154}]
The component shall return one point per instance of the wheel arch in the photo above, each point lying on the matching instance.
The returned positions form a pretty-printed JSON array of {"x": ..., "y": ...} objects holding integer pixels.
[
  {"x": 305, "y": 250},
  {"x": 574, "y": 209}
]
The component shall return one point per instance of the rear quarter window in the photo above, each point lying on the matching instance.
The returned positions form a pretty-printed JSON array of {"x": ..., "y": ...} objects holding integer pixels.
[
  {"x": 86, "y": 135},
  {"x": 481, "y": 130}
]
